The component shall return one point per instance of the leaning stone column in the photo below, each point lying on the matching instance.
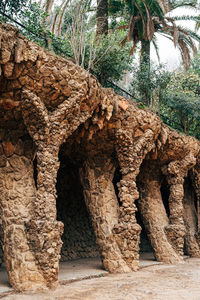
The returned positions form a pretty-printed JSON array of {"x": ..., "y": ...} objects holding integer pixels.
[
  {"x": 175, "y": 172},
  {"x": 43, "y": 231},
  {"x": 153, "y": 212},
  {"x": 130, "y": 155},
  {"x": 17, "y": 188},
  {"x": 96, "y": 178},
  {"x": 176, "y": 229}
]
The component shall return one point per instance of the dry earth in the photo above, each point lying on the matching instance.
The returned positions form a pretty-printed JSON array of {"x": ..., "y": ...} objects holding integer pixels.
[{"x": 174, "y": 282}]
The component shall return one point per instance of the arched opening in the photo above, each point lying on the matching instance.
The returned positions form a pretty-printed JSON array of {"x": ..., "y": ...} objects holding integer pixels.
[
  {"x": 78, "y": 237},
  {"x": 153, "y": 205},
  {"x": 165, "y": 192},
  {"x": 189, "y": 190}
]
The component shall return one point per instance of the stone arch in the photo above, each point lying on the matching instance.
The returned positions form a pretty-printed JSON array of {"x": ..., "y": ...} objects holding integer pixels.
[
  {"x": 78, "y": 238},
  {"x": 153, "y": 211}
]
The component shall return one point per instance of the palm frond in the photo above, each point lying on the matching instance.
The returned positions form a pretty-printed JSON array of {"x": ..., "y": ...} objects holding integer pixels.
[
  {"x": 189, "y": 42},
  {"x": 184, "y": 3},
  {"x": 197, "y": 26},
  {"x": 152, "y": 19},
  {"x": 149, "y": 24},
  {"x": 194, "y": 35},
  {"x": 132, "y": 23},
  {"x": 133, "y": 47},
  {"x": 187, "y": 18},
  {"x": 192, "y": 46},
  {"x": 155, "y": 8},
  {"x": 138, "y": 6},
  {"x": 185, "y": 53}
]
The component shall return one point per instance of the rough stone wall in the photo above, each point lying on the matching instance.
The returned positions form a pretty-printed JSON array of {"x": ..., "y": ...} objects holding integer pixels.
[
  {"x": 53, "y": 101},
  {"x": 17, "y": 188}
]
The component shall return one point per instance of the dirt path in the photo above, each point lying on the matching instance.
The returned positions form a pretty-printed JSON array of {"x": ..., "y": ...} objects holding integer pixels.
[{"x": 163, "y": 282}]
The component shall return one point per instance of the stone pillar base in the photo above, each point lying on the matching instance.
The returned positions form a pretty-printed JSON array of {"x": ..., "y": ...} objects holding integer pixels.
[
  {"x": 44, "y": 239},
  {"x": 127, "y": 237},
  {"x": 175, "y": 234}
]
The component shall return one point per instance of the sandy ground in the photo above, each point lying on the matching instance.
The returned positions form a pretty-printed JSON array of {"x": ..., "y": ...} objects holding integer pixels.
[{"x": 163, "y": 282}]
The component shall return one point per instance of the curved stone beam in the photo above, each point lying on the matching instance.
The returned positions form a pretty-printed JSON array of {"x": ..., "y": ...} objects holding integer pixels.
[{"x": 25, "y": 65}]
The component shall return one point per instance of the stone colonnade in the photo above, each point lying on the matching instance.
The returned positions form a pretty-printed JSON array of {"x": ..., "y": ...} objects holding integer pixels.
[
  {"x": 46, "y": 101},
  {"x": 31, "y": 234}
]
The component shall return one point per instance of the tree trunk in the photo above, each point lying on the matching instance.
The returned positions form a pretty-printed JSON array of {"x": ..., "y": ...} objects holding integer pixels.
[
  {"x": 56, "y": 18},
  {"x": 145, "y": 72},
  {"x": 60, "y": 19},
  {"x": 48, "y": 6},
  {"x": 102, "y": 17},
  {"x": 48, "y": 10},
  {"x": 40, "y": 3}
]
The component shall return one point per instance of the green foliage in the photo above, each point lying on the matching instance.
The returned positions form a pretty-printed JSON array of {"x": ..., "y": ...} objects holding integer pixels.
[
  {"x": 153, "y": 79},
  {"x": 34, "y": 20},
  {"x": 147, "y": 17},
  {"x": 195, "y": 65},
  {"x": 175, "y": 97},
  {"x": 112, "y": 60},
  {"x": 104, "y": 57},
  {"x": 181, "y": 103},
  {"x": 12, "y": 7}
]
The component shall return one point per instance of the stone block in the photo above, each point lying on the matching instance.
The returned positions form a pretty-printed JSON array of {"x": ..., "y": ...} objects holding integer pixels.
[{"x": 8, "y": 148}]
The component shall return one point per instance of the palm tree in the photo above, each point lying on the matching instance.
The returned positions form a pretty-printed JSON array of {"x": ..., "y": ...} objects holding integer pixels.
[{"x": 149, "y": 17}]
